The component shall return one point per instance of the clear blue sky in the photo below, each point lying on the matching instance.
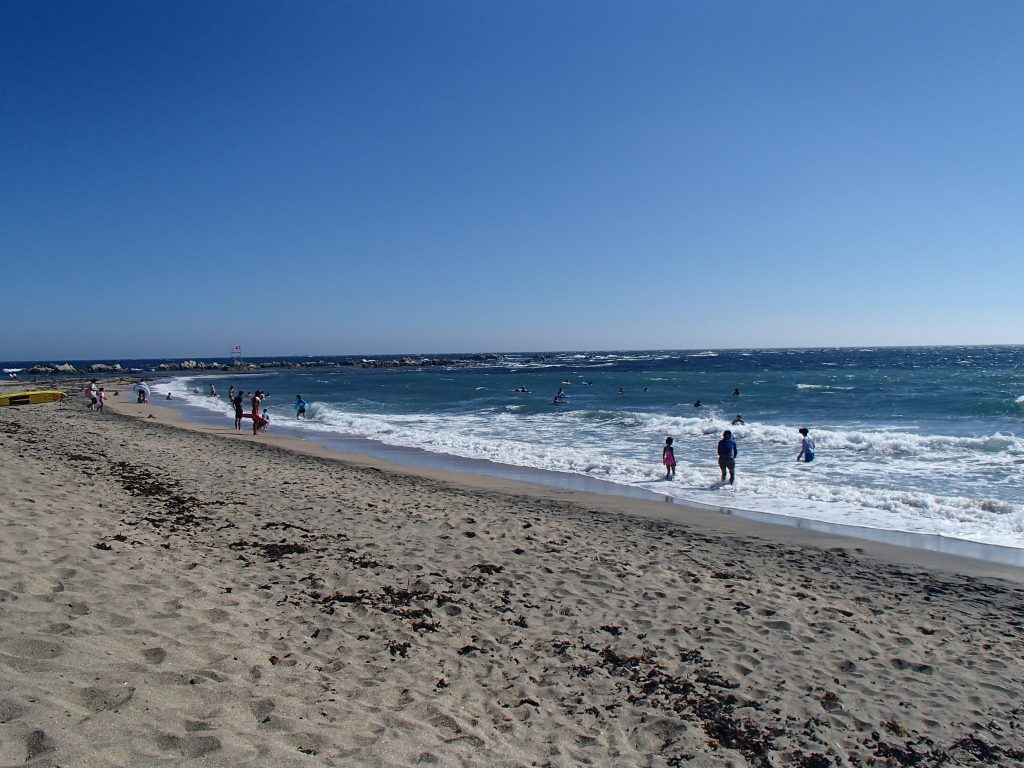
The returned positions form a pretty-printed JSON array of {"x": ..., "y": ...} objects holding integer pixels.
[{"x": 484, "y": 175}]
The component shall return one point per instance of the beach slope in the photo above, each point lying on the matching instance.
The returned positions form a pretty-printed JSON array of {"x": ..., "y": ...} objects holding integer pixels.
[{"x": 175, "y": 597}]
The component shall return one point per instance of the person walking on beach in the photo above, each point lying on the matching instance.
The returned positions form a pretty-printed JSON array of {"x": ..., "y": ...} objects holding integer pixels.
[
  {"x": 806, "y": 446},
  {"x": 727, "y": 452},
  {"x": 668, "y": 458},
  {"x": 93, "y": 394},
  {"x": 101, "y": 398},
  {"x": 237, "y": 402},
  {"x": 300, "y": 407}
]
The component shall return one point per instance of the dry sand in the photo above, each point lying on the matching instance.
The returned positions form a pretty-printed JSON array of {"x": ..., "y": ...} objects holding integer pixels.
[{"x": 192, "y": 597}]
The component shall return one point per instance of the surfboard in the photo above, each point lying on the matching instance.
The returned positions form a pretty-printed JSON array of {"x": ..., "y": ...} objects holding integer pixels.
[{"x": 31, "y": 398}]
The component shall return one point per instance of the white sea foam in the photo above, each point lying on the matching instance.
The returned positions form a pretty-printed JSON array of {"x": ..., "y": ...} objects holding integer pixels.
[
  {"x": 875, "y": 477},
  {"x": 766, "y": 483}
]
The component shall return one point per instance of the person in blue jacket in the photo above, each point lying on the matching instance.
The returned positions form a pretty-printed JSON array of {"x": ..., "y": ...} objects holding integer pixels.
[
  {"x": 727, "y": 452},
  {"x": 300, "y": 407}
]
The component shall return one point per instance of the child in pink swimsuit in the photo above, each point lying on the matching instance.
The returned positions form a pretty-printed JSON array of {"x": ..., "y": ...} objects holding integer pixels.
[{"x": 668, "y": 458}]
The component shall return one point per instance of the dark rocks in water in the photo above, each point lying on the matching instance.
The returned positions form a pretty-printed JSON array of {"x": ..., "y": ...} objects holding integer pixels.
[
  {"x": 189, "y": 365},
  {"x": 46, "y": 369},
  {"x": 238, "y": 366}
]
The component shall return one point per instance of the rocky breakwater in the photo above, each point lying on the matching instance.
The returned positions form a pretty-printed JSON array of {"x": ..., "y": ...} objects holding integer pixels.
[
  {"x": 42, "y": 369},
  {"x": 424, "y": 362},
  {"x": 190, "y": 365},
  {"x": 67, "y": 369}
]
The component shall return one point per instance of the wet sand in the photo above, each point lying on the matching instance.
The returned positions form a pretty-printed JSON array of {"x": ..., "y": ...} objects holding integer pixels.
[{"x": 175, "y": 596}]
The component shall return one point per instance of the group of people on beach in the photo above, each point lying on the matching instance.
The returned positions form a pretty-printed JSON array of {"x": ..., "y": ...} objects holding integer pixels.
[
  {"x": 728, "y": 451},
  {"x": 260, "y": 415},
  {"x": 96, "y": 396},
  {"x": 260, "y": 418}
]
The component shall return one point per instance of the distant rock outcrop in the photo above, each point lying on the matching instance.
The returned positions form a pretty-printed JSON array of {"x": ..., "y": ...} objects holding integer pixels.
[
  {"x": 188, "y": 365},
  {"x": 239, "y": 366}
]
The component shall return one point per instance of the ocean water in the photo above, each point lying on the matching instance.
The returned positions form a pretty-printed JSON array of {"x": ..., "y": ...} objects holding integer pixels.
[{"x": 920, "y": 440}]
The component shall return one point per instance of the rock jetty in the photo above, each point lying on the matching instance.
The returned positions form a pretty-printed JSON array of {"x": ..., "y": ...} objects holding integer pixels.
[{"x": 49, "y": 369}]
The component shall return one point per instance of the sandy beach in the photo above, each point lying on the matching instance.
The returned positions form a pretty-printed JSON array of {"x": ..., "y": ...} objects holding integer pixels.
[{"x": 176, "y": 595}]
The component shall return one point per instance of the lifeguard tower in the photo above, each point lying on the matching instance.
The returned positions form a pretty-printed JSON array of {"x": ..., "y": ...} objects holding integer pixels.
[{"x": 236, "y": 356}]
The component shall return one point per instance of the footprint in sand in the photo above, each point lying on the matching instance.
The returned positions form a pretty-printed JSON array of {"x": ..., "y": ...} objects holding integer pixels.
[
  {"x": 37, "y": 743},
  {"x": 261, "y": 709},
  {"x": 23, "y": 744},
  {"x": 154, "y": 655},
  {"x": 188, "y": 746},
  {"x": 28, "y": 655},
  {"x": 103, "y": 698},
  {"x": 31, "y": 648},
  {"x": 59, "y": 628},
  {"x": 10, "y": 710},
  {"x": 903, "y": 664}
]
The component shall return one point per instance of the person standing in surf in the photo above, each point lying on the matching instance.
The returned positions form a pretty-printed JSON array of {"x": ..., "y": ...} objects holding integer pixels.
[
  {"x": 668, "y": 458},
  {"x": 255, "y": 401},
  {"x": 806, "y": 446},
  {"x": 237, "y": 402},
  {"x": 727, "y": 452}
]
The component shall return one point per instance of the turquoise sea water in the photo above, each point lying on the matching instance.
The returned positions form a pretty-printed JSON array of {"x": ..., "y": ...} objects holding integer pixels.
[{"x": 924, "y": 440}]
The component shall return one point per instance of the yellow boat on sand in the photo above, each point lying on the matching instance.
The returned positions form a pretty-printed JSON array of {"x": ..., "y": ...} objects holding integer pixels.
[{"x": 31, "y": 398}]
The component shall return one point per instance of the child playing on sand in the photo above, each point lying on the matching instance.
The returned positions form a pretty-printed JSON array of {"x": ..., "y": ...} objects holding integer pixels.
[
  {"x": 101, "y": 398},
  {"x": 668, "y": 458}
]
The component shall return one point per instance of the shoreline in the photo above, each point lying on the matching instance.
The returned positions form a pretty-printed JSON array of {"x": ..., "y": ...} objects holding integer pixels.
[
  {"x": 455, "y": 467},
  {"x": 170, "y": 594}
]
